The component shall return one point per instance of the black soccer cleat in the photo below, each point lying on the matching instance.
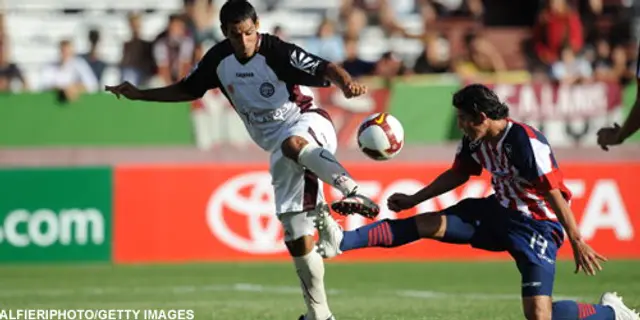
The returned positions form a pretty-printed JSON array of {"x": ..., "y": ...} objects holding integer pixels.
[{"x": 356, "y": 203}]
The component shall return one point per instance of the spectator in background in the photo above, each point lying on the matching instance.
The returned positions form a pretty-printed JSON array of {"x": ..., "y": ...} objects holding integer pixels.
[
  {"x": 278, "y": 31},
  {"x": 137, "y": 65},
  {"x": 571, "y": 69},
  {"x": 390, "y": 65},
  {"x": 557, "y": 24},
  {"x": 357, "y": 14},
  {"x": 10, "y": 74},
  {"x": 173, "y": 51},
  {"x": 353, "y": 64},
  {"x": 199, "y": 18},
  {"x": 446, "y": 8},
  {"x": 481, "y": 57},
  {"x": 589, "y": 11},
  {"x": 436, "y": 56},
  {"x": 70, "y": 76},
  {"x": 327, "y": 44},
  {"x": 97, "y": 65},
  {"x": 623, "y": 68},
  {"x": 602, "y": 64}
]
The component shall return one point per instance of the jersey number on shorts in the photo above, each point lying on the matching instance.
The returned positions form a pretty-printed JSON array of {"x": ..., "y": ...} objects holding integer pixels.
[{"x": 540, "y": 242}]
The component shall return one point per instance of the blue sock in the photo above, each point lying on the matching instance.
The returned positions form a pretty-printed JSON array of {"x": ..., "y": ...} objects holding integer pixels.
[
  {"x": 571, "y": 310},
  {"x": 384, "y": 233}
]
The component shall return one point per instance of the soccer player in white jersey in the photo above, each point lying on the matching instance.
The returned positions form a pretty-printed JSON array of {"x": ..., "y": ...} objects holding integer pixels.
[
  {"x": 611, "y": 136},
  {"x": 266, "y": 80}
]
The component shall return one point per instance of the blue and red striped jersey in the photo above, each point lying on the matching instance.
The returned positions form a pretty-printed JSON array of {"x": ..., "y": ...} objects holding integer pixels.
[{"x": 522, "y": 166}]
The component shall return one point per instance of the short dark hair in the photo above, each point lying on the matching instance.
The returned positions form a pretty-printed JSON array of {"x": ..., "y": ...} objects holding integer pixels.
[
  {"x": 477, "y": 98},
  {"x": 234, "y": 11}
]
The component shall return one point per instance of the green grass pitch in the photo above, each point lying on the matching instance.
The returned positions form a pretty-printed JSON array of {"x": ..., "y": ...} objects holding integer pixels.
[{"x": 234, "y": 291}]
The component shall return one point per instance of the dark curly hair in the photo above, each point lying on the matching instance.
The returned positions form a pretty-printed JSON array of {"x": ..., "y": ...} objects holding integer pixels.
[{"x": 477, "y": 98}]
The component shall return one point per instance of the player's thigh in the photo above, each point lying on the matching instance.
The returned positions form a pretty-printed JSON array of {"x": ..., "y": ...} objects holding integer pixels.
[
  {"x": 537, "y": 307},
  {"x": 295, "y": 188},
  {"x": 316, "y": 129},
  {"x": 467, "y": 222},
  {"x": 534, "y": 248}
]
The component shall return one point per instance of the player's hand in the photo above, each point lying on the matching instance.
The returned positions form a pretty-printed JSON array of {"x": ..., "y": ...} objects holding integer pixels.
[
  {"x": 400, "y": 201},
  {"x": 125, "y": 89},
  {"x": 354, "y": 89},
  {"x": 587, "y": 259},
  {"x": 609, "y": 136}
]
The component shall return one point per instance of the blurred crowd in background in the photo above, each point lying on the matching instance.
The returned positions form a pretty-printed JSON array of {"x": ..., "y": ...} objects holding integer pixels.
[{"x": 569, "y": 41}]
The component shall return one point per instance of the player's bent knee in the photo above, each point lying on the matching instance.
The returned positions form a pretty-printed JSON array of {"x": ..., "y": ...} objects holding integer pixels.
[
  {"x": 301, "y": 246},
  {"x": 298, "y": 232},
  {"x": 537, "y": 307},
  {"x": 431, "y": 225},
  {"x": 292, "y": 146}
]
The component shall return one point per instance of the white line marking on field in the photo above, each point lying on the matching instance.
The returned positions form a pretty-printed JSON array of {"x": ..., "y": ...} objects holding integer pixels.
[{"x": 248, "y": 288}]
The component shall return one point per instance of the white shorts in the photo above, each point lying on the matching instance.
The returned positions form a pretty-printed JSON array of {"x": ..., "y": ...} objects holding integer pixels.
[{"x": 298, "y": 191}]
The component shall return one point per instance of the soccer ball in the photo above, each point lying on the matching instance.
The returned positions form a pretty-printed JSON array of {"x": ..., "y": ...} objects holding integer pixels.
[{"x": 381, "y": 136}]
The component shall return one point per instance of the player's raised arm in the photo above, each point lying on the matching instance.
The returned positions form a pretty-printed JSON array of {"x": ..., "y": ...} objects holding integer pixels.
[
  {"x": 304, "y": 68},
  {"x": 610, "y": 136},
  {"x": 172, "y": 93},
  {"x": 202, "y": 78},
  {"x": 341, "y": 78}
]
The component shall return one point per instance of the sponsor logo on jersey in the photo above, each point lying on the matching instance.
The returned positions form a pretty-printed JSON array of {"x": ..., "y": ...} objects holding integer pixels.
[
  {"x": 244, "y": 74},
  {"x": 304, "y": 62},
  {"x": 267, "y": 89}
]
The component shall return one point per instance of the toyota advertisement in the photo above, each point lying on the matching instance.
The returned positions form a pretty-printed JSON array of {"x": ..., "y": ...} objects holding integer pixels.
[{"x": 226, "y": 212}]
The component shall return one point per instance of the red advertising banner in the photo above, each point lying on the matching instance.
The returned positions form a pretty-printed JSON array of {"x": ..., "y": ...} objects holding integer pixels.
[{"x": 225, "y": 212}]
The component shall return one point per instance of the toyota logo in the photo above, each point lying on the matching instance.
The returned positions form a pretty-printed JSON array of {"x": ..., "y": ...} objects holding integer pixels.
[{"x": 250, "y": 196}]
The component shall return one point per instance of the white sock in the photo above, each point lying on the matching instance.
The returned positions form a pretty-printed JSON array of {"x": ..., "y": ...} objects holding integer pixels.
[
  {"x": 310, "y": 270},
  {"x": 322, "y": 162}
]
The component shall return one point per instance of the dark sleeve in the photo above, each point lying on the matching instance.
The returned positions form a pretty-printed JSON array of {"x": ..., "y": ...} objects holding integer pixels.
[
  {"x": 294, "y": 65},
  {"x": 204, "y": 75},
  {"x": 464, "y": 162}
]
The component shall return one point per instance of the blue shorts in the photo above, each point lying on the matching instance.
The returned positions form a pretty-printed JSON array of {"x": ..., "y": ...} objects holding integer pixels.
[{"x": 485, "y": 224}]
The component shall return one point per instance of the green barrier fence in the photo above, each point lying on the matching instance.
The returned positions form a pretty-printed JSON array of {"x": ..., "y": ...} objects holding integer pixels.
[
  {"x": 38, "y": 120},
  {"x": 55, "y": 215},
  {"x": 99, "y": 120}
]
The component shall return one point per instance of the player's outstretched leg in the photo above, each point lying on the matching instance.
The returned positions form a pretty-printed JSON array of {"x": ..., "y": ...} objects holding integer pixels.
[
  {"x": 449, "y": 226},
  {"x": 385, "y": 233},
  {"x": 610, "y": 307},
  {"x": 323, "y": 163}
]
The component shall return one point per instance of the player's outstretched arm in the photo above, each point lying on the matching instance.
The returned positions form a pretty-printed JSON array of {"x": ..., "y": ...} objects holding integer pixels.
[
  {"x": 341, "y": 78},
  {"x": 445, "y": 182},
  {"x": 172, "y": 93},
  {"x": 610, "y": 136},
  {"x": 585, "y": 257}
]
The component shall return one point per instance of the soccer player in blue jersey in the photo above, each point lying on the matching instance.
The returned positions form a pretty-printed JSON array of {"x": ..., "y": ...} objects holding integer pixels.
[{"x": 524, "y": 217}]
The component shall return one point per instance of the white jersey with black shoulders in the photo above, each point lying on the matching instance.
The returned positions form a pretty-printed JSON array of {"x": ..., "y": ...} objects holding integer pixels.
[{"x": 269, "y": 90}]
